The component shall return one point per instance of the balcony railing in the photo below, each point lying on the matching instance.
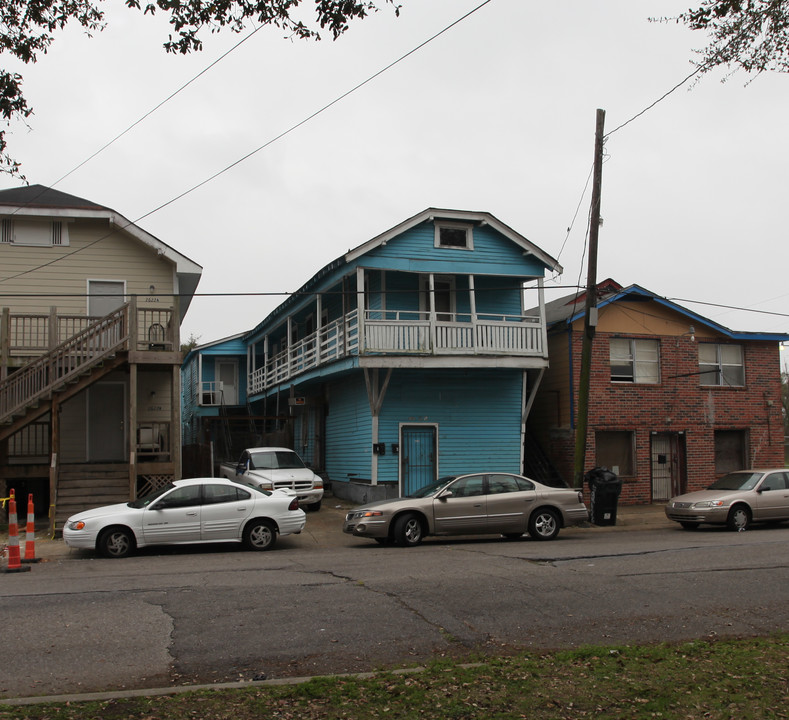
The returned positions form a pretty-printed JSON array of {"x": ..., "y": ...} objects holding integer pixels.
[
  {"x": 30, "y": 335},
  {"x": 54, "y": 366},
  {"x": 398, "y": 332}
]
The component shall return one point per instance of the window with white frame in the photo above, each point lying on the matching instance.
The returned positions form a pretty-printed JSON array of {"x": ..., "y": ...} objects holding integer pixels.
[
  {"x": 721, "y": 365},
  {"x": 454, "y": 235},
  {"x": 35, "y": 233},
  {"x": 635, "y": 360}
]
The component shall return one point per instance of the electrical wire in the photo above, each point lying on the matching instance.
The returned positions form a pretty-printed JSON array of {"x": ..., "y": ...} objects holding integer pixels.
[{"x": 263, "y": 146}]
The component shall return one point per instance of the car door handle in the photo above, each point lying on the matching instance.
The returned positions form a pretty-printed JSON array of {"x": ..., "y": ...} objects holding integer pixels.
[
  {"x": 241, "y": 509},
  {"x": 191, "y": 514}
]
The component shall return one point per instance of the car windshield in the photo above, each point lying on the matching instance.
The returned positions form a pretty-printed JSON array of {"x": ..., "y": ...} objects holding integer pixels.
[
  {"x": 736, "y": 481},
  {"x": 146, "y": 500},
  {"x": 276, "y": 460},
  {"x": 433, "y": 488}
]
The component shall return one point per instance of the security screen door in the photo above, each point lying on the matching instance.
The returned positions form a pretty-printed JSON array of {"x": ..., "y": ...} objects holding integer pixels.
[{"x": 417, "y": 456}]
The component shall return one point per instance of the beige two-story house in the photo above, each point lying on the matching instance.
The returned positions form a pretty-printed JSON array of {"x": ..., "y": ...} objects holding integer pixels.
[{"x": 89, "y": 353}]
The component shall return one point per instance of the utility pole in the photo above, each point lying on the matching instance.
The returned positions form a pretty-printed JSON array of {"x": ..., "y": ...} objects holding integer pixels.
[{"x": 590, "y": 307}]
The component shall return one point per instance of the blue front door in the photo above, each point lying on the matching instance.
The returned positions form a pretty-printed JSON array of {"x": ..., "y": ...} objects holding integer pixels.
[{"x": 418, "y": 457}]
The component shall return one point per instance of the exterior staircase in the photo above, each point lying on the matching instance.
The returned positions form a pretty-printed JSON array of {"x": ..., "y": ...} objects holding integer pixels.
[
  {"x": 27, "y": 393},
  {"x": 85, "y": 486},
  {"x": 536, "y": 463}
]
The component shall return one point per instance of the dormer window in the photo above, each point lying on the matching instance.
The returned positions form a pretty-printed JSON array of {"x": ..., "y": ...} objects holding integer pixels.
[
  {"x": 458, "y": 236},
  {"x": 35, "y": 233}
]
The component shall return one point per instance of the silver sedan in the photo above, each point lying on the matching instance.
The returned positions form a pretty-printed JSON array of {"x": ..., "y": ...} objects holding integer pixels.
[
  {"x": 735, "y": 500},
  {"x": 481, "y": 503}
]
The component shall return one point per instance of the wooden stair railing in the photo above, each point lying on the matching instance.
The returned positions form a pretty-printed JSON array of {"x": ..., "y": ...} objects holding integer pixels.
[{"x": 66, "y": 363}]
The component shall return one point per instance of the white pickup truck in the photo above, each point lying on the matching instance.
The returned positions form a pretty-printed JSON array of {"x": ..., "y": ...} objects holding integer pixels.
[{"x": 272, "y": 468}]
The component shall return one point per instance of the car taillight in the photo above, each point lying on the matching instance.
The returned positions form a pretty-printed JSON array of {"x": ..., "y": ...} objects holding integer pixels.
[{"x": 294, "y": 504}]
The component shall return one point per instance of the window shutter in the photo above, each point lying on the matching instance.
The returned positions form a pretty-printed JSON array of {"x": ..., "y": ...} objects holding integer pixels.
[{"x": 6, "y": 231}]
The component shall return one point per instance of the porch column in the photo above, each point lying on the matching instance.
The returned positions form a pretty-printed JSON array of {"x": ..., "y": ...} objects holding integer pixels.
[
  {"x": 360, "y": 307},
  {"x": 265, "y": 362},
  {"x": 131, "y": 431},
  {"x": 54, "y": 447},
  {"x": 52, "y": 331},
  {"x": 200, "y": 378},
  {"x": 175, "y": 420},
  {"x": 318, "y": 327},
  {"x": 543, "y": 321},
  {"x": 431, "y": 294},
  {"x": 472, "y": 301},
  {"x": 250, "y": 367},
  {"x": 375, "y": 396},
  {"x": 5, "y": 342},
  {"x": 288, "y": 369}
]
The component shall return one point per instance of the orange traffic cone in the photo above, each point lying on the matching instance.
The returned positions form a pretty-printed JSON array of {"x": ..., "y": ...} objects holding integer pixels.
[
  {"x": 14, "y": 561},
  {"x": 30, "y": 533}
]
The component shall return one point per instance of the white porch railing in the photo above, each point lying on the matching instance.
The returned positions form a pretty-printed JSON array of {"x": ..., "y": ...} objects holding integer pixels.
[{"x": 404, "y": 333}]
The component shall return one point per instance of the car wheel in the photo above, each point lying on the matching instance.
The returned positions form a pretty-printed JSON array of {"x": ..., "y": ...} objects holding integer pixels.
[
  {"x": 260, "y": 535},
  {"x": 739, "y": 518},
  {"x": 544, "y": 525},
  {"x": 115, "y": 543},
  {"x": 689, "y": 525},
  {"x": 512, "y": 536},
  {"x": 313, "y": 507},
  {"x": 408, "y": 530}
]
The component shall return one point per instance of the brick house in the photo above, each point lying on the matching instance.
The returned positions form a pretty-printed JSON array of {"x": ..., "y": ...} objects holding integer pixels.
[{"x": 675, "y": 398}]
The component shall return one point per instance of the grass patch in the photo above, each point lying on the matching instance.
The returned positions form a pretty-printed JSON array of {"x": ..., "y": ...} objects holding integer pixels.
[{"x": 738, "y": 678}]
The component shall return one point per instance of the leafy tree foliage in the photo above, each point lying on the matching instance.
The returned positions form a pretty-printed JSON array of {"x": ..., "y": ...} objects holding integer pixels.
[
  {"x": 191, "y": 343},
  {"x": 27, "y": 30},
  {"x": 752, "y": 35}
]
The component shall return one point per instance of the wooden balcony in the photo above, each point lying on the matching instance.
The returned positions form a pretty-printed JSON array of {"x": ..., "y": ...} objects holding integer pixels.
[
  {"x": 401, "y": 333},
  {"x": 45, "y": 362}
]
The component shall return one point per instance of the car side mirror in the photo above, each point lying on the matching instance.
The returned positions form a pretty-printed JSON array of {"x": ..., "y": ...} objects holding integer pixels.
[{"x": 444, "y": 495}]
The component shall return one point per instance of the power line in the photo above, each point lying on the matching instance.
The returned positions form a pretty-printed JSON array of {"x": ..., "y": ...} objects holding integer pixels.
[
  {"x": 307, "y": 293},
  {"x": 263, "y": 146},
  {"x": 159, "y": 105},
  {"x": 315, "y": 114}
]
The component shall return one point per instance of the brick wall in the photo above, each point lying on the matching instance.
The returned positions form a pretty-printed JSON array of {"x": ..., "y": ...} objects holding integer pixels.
[{"x": 678, "y": 404}]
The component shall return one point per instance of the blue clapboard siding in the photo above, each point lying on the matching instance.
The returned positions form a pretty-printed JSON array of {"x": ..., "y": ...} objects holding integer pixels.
[
  {"x": 414, "y": 251},
  {"x": 348, "y": 431},
  {"x": 478, "y": 413}
]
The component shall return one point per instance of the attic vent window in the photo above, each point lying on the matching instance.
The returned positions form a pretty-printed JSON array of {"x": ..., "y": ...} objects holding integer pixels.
[
  {"x": 454, "y": 235},
  {"x": 37, "y": 233}
]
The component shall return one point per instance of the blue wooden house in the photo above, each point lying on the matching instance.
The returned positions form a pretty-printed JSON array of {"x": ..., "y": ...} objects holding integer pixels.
[
  {"x": 409, "y": 357},
  {"x": 213, "y": 387}
]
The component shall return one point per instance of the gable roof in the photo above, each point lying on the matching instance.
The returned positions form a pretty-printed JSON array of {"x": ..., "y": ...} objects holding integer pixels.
[
  {"x": 480, "y": 218},
  {"x": 570, "y": 308},
  {"x": 39, "y": 200},
  {"x": 40, "y": 196}
]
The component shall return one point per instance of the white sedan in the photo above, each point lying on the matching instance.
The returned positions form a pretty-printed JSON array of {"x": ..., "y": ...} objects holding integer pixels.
[{"x": 188, "y": 511}]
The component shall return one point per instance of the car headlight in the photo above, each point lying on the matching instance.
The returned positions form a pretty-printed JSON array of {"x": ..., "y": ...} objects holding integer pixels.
[
  {"x": 76, "y": 525},
  {"x": 372, "y": 513},
  {"x": 708, "y": 504},
  {"x": 266, "y": 485}
]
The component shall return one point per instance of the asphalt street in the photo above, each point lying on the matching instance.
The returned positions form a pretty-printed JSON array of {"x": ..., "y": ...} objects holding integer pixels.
[{"x": 323, "y": 602}]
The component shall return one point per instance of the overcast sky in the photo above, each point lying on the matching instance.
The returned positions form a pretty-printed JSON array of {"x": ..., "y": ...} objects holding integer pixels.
[{"x": 496, "y": 114}]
